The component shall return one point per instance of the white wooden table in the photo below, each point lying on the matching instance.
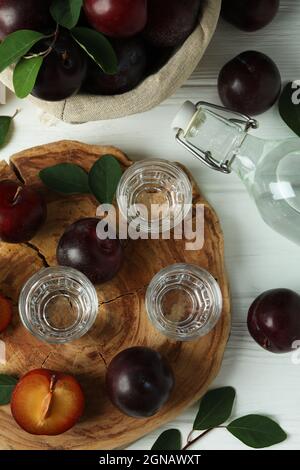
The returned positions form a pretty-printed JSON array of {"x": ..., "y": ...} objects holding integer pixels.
[{"x": 257, "y": 258}]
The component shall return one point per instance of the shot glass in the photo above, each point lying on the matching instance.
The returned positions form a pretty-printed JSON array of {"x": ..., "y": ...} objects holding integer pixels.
[
  {"x": 154, "y": 195},
  {"x": 58, "y": 304},
  {"x": 184, "y": 302}
]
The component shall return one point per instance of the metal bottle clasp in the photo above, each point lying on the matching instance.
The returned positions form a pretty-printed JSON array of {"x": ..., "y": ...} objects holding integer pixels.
[{"x": 244, "y": 121}]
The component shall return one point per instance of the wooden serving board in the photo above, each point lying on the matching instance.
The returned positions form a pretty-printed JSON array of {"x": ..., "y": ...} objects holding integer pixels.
[{"x": 122, "y": 320}]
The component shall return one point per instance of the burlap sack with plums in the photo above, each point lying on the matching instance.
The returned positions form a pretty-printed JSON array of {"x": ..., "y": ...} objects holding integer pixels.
[{"x": 152, "y": 91}]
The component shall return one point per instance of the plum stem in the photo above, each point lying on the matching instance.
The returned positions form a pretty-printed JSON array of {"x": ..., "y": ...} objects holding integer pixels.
[
  {"x": 52, "y": 383},
  {"x": 19, "y": 190}
]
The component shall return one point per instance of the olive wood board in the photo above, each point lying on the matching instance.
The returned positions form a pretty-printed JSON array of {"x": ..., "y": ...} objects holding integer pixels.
[{"x": 122, "y": 321}]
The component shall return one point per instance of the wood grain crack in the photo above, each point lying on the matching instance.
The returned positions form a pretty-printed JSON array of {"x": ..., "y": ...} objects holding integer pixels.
[
  {"x": 102, "y": 357},
  {"x": 42, "y": 257},
  {"x": 100, "y": 354},
  {"x": 46, "y": 359},
  {"x": 118, "y": 297},
  {"x": 16, "y": 172}
]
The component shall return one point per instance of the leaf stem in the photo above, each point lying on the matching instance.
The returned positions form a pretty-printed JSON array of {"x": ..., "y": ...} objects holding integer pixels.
[
  {"x": 191, "y": 442},
  {"x": 50, "y": 48},
  {"x": 15, "y": 114},
  {"x": 189, "y": 438}
]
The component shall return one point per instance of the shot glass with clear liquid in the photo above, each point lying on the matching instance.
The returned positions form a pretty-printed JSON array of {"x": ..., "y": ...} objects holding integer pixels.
[
  {"x": 184, "y": 302},
  {"x": 58, "y": 305},
  {"x": 154, "y": 195}
]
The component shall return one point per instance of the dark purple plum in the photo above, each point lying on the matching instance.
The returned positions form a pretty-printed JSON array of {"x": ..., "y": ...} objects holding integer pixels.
[
  {"x": 24, "y": 14},
  {"x": 139, "y": 381},
  {"x": 249, "y": 15},
  {"x": 22, "y": 212},
  {"x": 132, "y": 62},
  {"x": 250, "y": 83},
  {"x": 274, "y": 320},
  {"x": 81, "y": 249},
  {"x": 63, "y": 69},
  {"x": 170, "y": 22},
  {"x": 157, "y": 57}
]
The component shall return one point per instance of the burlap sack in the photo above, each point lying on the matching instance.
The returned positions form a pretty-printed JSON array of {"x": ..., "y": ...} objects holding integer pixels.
[{"x": 152, "y": 91}]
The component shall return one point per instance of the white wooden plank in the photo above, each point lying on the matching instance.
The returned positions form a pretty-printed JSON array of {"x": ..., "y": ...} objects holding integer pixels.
[
  {"x": 256, "y": 257},
  {"x": 279, "y": 40},
  {"x": 2, "y": 93}
]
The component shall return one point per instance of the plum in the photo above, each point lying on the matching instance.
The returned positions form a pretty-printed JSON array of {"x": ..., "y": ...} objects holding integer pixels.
[
  {"x": 22, "y": 212},
  {"x": 6, "y": 313},
  {"x": 274, "y": 320},
  {"x": 249, "y": 15},
  {"x": 45, "y": 402},
  {"x": 63, "y": 69},
  {"x": 116, "y": 18},
  {"x": 170, "y": 22},
  {"x": 25, "y": 14},
  {"x": 250, "y": 83},
  {"x": 139, "y": 381},
  {"x": 132, "y": 62},
  {"x": 81, "y": 249}
]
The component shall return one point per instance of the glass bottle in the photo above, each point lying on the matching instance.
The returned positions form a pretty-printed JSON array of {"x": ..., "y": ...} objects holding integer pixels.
[{"x": 270, "y": 169}]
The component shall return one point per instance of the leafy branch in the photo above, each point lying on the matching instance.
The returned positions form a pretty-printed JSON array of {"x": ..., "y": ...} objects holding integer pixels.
[
  {"x": 215, "y": 408},
  {"x": 16, "y": 49}
]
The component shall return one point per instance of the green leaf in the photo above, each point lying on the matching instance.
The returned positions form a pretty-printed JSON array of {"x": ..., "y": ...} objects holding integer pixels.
[
  {"x": 66, "y": 12},
  {"x": 168, "y": 440},
  {"x": 289, "y": 106},
  {"x": 5, "y": 122},
  {"x": 65, "y": 178},
  {"x": 97, "y": 47},
  {"x": 25, "y": 75},
  {"x": 16, "y": 45},
  {"x": 104, "y": 178},
  {"x": 215, "y": 408},
  {"x": 257, "y": 431},
  {"x": 7, "y": 385}
]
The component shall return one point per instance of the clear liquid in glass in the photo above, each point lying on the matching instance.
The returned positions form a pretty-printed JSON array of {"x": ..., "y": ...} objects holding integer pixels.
[{"x": 270, "y": 169}]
